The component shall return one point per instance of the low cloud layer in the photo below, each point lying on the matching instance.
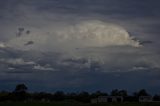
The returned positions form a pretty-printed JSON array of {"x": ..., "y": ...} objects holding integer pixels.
[
  {"x": 43, "y": 68},
  {"x": 17, "y": 61}
]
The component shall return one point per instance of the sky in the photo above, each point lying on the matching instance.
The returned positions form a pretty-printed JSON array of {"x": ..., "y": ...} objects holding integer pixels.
[{"x": 80, "y": 45}]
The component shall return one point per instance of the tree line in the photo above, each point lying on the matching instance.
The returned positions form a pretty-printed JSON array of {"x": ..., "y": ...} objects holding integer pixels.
[{"x": 21, "y": 93}]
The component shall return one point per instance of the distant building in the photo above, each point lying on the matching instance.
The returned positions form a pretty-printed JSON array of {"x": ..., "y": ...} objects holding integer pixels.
[
  {"x": 105, "y": 99},
  {"x": 145, "y": 99}
]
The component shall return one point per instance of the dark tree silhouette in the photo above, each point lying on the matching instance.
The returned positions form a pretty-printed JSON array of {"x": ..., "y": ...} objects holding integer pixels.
[
  {"x": 98, "y": 93},
  {"x": 59, "y": 95},
  {"x": 123, "y": 93},
  {"x": 83, "y": 97},
  {"x": 20, "y": 92},
  {"x": 142, "y": 92},
  {"x": 21, "y": 88},
  {"x": 115, "y": 92}
]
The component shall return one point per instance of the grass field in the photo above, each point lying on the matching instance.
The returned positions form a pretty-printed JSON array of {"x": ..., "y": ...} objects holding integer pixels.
[{"x": 75, "y": 104}]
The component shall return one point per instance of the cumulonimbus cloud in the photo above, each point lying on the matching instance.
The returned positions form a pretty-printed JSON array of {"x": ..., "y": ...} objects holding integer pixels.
[
  {"x": 96, "y": 33},
  {"x": 90, "y": 33}
]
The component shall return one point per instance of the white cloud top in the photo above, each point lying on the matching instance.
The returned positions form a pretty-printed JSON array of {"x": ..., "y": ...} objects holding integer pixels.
[{"x": 84, "y": 34}]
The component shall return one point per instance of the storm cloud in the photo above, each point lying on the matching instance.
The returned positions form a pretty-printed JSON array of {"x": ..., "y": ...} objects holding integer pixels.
[{"x": 90, "y": 40}]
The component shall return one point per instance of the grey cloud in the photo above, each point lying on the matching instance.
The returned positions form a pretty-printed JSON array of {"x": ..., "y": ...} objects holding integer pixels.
[
  {"x": 43, "y": 68},
  {"x": 106, "y": 59},
  {"x": 28, "y": 32},
  {"x": 17, "y": 61}
]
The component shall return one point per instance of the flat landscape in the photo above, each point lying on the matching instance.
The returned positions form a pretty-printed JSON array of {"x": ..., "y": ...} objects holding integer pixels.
[{"x": 75, "y": 104}]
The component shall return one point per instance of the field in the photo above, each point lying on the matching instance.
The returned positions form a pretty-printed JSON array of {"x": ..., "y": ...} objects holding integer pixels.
[{"x": 75, "y": 104}]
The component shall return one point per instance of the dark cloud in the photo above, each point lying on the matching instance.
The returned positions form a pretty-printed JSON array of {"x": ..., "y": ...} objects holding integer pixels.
[
  {"x": 28, "y": 32},
  {"x": 146, "y": 42},
  {"x": 29, "y": 43},
  {"x": 20, "y": 32}
]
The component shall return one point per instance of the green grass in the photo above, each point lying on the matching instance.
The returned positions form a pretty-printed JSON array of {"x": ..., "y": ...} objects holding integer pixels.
[{"x": 75, "y": 104}]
